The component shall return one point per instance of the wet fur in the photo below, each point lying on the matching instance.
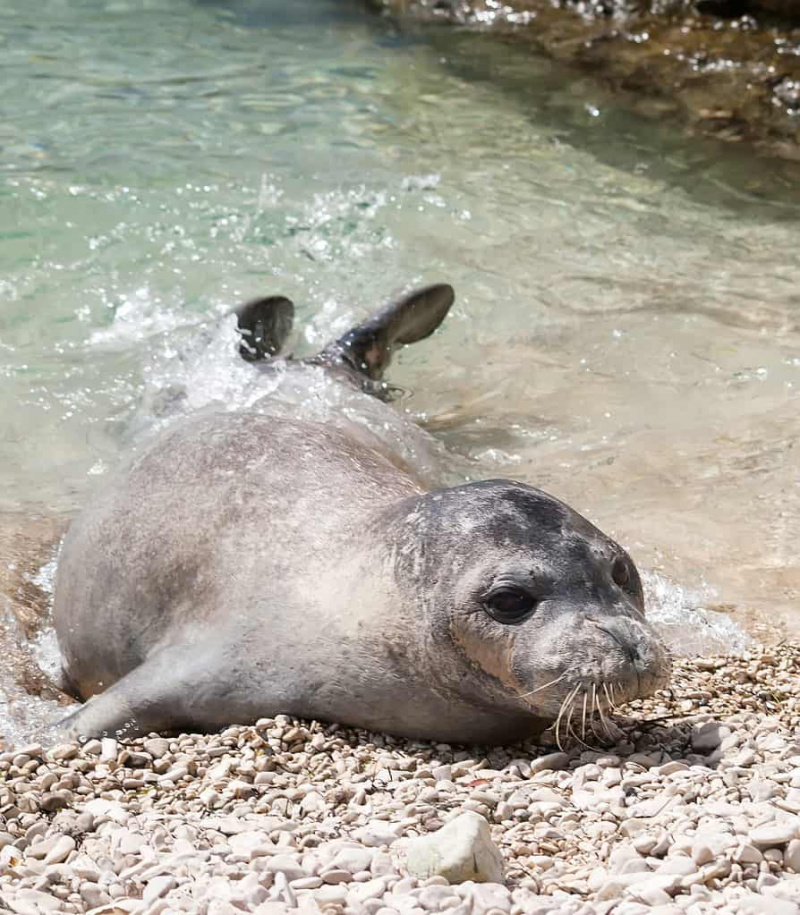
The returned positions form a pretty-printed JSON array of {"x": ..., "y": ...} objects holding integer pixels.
[{"x": 247, "y": 564}]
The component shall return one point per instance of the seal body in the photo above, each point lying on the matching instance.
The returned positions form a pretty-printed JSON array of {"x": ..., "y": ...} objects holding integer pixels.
[{"x": 247, "y": 564}]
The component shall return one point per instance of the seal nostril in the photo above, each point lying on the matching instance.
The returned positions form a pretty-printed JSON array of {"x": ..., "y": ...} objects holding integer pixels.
[
  {"x": 629, "y": 647},
  {"x": 621, "y": 573}
]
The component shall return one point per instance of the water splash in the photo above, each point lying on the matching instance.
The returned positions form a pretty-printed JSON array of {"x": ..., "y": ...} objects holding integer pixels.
[
  {"x": 678, "y": 615},
  {"x": 23, "y": 715}
]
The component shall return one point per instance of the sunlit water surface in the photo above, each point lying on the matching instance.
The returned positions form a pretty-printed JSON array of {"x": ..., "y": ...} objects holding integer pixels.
[{"x": 627, "y": 330}]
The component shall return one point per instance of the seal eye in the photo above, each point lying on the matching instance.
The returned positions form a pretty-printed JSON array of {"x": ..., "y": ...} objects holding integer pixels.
[
  {"x": 509, "y": 605},
  {"x": 621, "y": 573}
]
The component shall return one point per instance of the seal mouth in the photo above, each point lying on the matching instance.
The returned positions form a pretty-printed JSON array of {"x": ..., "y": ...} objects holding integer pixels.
[
  {"x": 587, "y": 700},
  {"x": 579, "y": 705}
]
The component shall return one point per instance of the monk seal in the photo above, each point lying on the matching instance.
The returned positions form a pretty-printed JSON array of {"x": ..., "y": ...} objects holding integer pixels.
[{"x": 247, "y": 564}]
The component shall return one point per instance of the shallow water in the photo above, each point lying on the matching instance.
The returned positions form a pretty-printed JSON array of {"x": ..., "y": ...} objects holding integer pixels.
[{"x": 627, "y": 331}]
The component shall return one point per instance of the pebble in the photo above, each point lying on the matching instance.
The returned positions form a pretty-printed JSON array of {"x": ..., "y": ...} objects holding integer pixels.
[
  {"x": 286, "y": 865},
  {"x": 158, "y": 887},
  {"x": 747, "y": 854},
  {"x": 553, "y": 761},
  {"x": 773, "y": 835},
  {"x": 61, "y": 849},
  {"x": 708, "y": 736},
  {"x": 157, "y": 747},
  {"x": 679, "y": 817},
  {"x": 462, "y": 850},
  {"x": 791, "y": 857}
]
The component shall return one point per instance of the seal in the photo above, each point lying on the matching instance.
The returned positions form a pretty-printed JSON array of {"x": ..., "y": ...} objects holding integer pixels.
[{"x": 246, "y": 564}]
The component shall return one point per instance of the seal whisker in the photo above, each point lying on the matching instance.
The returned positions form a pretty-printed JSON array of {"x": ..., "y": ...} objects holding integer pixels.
[
  {"x": 583, "y": 717},
  {"x": 582, "y": 739},
  {"x": 611, "y": 703},
  {"x": 545, "y": 685},
  {"x": 568, "y": 715},
  {"x": 583, "y": 743},
  {"x": 604, "y": 720},
  {"x": 558, "y": 723},
  {"x": 595, "y": 705},
  {"x": 565, "y": 702}
]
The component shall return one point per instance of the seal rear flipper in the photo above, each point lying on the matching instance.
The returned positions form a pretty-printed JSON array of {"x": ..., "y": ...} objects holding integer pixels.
[
  {"x": 264, "y": 325},
  {"x": 368, "y": 348}
]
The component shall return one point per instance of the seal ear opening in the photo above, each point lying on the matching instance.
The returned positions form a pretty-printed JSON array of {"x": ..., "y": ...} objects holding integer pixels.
[
  {"x": 416, "y": 316},
  {"x": 264, "y": 325}
]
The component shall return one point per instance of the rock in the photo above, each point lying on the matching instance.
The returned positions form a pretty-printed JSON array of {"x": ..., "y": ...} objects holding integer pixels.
[
  {"x": 40, "y": 850},
  {"x": 618, "y": 885},
  {"x": 370, "y": 889},
  {"x": 51, "y": 802},
  {"x": 553, "y": 761},
  {"x": 791, "y": 857},
  {"x": 708, "y": 736},
  {"x": 771, "y": 836},
  {"x": 157, "y": 747},
  {"x": 353, "y": 859},
  {"x": 747, "y": 854},
  {"x": 64, "y": 751},
  {"x": 93, "y": 895},
  {"x": 306, "y": 883},
  {"x": 158, "y": 887},
  {"x": 286, "y": 865},
  {"x": 762, "y": 905},
  {"x": 33, "y": 902},
  {"x": 32, "y": 751},
  {"x": 108, "y": 749},
  {"x": 433, "y": 897},
  {"x": 572, "y": 835},
  {"x": 701, "y": 854},
  {"x": 652, "y": 894},
  {"x": 134, "y": 760},
  {"x": 487, "y": 897},
  {"x": 459, "y": 851},
  {"x": 378, "y": 833},
  {"x": 330, "y": 895},
  {"x": 60, "y": 851},
  {"x": 273, "y": 908},
  {"x": 336, "y": 875}
]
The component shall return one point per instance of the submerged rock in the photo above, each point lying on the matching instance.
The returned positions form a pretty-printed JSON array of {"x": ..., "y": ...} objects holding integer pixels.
[{"x": 723, "y": 68}]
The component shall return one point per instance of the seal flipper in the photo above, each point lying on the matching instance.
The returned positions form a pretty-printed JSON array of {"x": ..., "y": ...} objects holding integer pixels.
[
  {"x": 264, "y": 325},
  {"x": 173, "y": 689},
  {"x": 368, "y": 348}
]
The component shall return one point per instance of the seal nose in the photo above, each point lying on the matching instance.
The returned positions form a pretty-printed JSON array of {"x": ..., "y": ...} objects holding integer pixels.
[
  {"x": 638, "y": 645},
  {"x": 635, "y": 656}
]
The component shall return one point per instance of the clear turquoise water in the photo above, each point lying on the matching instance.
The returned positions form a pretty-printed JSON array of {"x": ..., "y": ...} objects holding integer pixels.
[{"x": 626, "y": 333}]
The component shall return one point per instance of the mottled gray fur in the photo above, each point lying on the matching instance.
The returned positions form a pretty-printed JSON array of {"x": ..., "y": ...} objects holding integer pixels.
[{"x": 248, "y": 564}]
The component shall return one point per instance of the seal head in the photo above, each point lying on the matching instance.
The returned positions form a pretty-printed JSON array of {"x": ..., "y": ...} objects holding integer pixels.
[{"x": 544, "y": 605}]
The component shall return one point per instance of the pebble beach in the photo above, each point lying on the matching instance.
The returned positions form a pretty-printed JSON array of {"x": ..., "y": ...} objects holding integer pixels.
[{"x": 692, "y": 805}]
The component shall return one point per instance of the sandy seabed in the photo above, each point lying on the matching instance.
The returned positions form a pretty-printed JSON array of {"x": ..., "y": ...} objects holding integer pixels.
[{"x": 694, "y": 807}]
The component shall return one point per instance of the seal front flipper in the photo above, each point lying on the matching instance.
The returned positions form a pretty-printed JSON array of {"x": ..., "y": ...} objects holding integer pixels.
[
  {"x": 264, "y": 325},
  {"x": 368, "y": 348},
  {"x": 173, "y": 689}
]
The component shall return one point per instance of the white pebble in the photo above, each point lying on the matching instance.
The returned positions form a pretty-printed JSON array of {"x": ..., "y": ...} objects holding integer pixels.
[{"x": 461, "y": 850}]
